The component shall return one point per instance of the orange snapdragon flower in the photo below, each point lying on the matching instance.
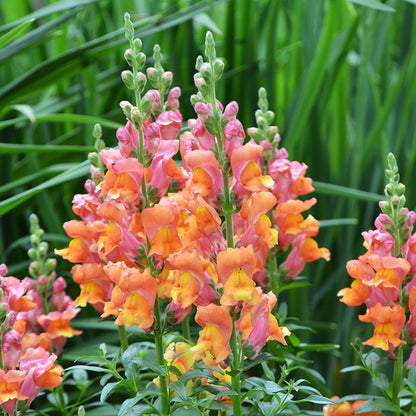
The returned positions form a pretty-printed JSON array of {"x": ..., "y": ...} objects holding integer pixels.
[
  {"x": 236, "y": 267},
  {"x": 388, "y": 323},
  {"x": 133, "y": 296},
  {"x": 246, "y": 166},
  {"x": 212, "y": 346}
]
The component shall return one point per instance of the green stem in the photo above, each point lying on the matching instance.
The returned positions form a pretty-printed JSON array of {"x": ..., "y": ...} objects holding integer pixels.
[
  {"x": 235, "y": 378},
  {"x": 186, "y": 332},
  {"x": 273, "y": 271},
  {"x": 123, "y": 338},
  {"x": 160, "y": 359},
  {"x": 397, "y": 379}
]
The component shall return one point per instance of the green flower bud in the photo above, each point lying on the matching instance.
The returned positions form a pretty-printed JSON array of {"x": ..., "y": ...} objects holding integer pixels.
[
  {"x": 128, "y": 79},
  {"x": 126, "y": 108},
  {"x": 97, "y": 132},
  {"x": 146, "y": 105},
  {"x": 50, "y": 265},
  {"x": 140, "y": 59},
  {"x": 94, "y": 159},
  {"x": 199, "y": 62},
  {"x": 218, "y": 69},
  {"x": 137, "y": 45},
  {"x": 166, "y": 82},
  {"x": 130, "y": 57},
  {"x": 140, "y": 81}
]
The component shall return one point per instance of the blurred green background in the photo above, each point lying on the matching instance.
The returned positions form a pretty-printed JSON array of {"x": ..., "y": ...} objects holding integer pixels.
[{"x": 340, "y": 76}]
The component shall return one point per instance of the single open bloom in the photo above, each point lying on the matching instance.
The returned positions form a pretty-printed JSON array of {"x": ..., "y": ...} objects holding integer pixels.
[{"x": 212, "y": 346}]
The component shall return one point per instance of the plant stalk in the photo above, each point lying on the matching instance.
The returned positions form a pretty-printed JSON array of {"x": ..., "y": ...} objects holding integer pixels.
[
  {"x": 160, "y": 358},
  {"x": 235, "y": 377},
  {"x": 397, "y": 379}
]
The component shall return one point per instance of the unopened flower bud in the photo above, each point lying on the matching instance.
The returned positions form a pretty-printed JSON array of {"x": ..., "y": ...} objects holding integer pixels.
[
  {"x": 137, "y": 45},
  {"x": 50, "y": 265},
  {"x": 166, "y": 81},
  {"x": 43, "y": 248},
  {"x": 128, "y": 79},
  {"x": 42, "y": 280},
  {"x": 94, "y": 159},
  {"x": 141, "y": 81},
  {"x": 3, "y": 270},
  {"x": 32, "y": 253},
  {"x": 126, "y": 108},
  {"x": 146, "y": 105},
  {"x": 230, "y": 111},
  {"x": 34, "y": 239},
  {"x": 136, "y": 115},
  {"x": 153, "y": 74},
  {"x": 173, "y": 98},
  {"x": 97, "y": 131},
  {"x": 205, "y": 70},
  {"x": 130, "y": 57},
  {"x": 140, "y": 59},
  {"x": 218, "y": 69}
]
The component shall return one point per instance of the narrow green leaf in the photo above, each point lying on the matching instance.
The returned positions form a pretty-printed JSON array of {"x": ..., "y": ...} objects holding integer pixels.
[
  {"x": 107, "y": 389},
  {"x": 34, "y": 35},
  {"x": 14, "y": 33},
  {"x": 337, "y": 222},
  {"x": 10, "y": 148},
  {"x": 75, "y": 172},
  {"x": 64, "y": 117},
  {"x": 314, "y": 398},
  {"x": 56, "y": 7},
  {"x": 352, "y": 368},
  {"x": 373, "y": 4},
  {"x": 343, "y": 191},
  {"x": 26, "y": 110}
]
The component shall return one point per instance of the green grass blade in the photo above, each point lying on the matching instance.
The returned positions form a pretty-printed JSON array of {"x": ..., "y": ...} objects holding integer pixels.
[
  {"x": 35, "y": 35},
  {"x": 373, "y": 4},
  {"x": 53, "y": 169},
  {"x": 75, "y": 172},
  {"x": 14, "y": 33},
  {"x": 57, "y": 7},
  {"x": 10, "y": 148},
  {"x": 65, "y": 117},
  {"x": 323, "y": 188}
]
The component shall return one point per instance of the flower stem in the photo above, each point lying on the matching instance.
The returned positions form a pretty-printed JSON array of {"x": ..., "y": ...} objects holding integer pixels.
[
  {"x": 123, "y": 337},
  {"x": 235, "y": 377},
  {"x": 160, "y": 359},
  {"x": 397, "y": 379},
  {"x": 186, "y": 332}
]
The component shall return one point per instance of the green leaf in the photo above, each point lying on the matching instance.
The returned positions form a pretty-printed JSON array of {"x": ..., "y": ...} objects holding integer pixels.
[
  {"x": 373, "y": 4},
  {"x": 185, "y": 412},
  {"x": 14, "y": 33},
  {"x": 179, "y": 388},
  {"x": 352, "y": 368},
  {"x": 151, "y": 365},
  {"x": 345, "y": 192},
  {"x": 11, "y": 148},
  {"x": 377, "y": 404},
  {"x": 337, "y": 222},
  {"x": 65, "y": 117},
  {"x": 56, "y": 7},
  {"x": 411, "y": 378},
  {"x": 76, "y": 172},
  {"x": 192, "y": 374},
  {"x": 107, "y": 389},
  {"x": 34, "y": 35},
  {"x": 258, "y": 360},
  {"x": 314, "y": 398}
]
